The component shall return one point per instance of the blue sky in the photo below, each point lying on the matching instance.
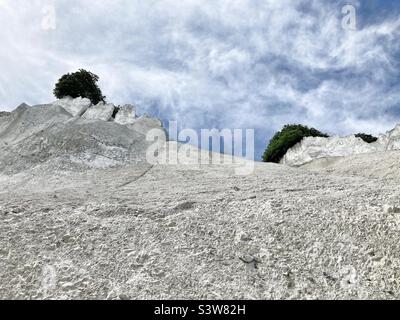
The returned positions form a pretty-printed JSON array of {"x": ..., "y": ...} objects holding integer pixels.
[{"x": 214, "y": 63}]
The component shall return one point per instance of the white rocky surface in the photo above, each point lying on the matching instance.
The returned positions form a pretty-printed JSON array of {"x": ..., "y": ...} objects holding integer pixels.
[
  {"x": 391, "y": 140},
  {"x": 311, "y": 148},
  {"x": 126, "y": 115},
  {"x": 138, "y": 231},
  {"x": 314, "y": 148},
  {"x": 101, "y": 111},
  {"x": 25, "y": 121},
  {"x": 379, "y": 165},
  {"x": 144, "y": 123},
  {"x": 33, "y": 136},
  {"x": 76, "y": 107}
]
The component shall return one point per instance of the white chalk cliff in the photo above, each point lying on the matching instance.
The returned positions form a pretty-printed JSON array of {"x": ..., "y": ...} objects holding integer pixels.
[
  {"x": 314, "y": 148},
  {"x": 82, "y": 217},
  {"x": 72, "y": 133}
]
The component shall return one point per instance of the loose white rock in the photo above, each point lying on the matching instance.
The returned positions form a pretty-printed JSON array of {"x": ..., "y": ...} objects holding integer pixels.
[
  {"x": 126, "y": 115},
  {"x": 145, "y": 123},
  {"x": 76, "y": 107},
  {"x": 101, "y": 111}
]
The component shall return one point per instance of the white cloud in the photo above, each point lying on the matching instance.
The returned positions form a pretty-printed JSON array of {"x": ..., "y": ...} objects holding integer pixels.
[{"x": 221, "y": 63}]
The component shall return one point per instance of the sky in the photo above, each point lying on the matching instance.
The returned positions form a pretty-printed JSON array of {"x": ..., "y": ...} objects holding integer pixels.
[{"x": 256, "y": 64}]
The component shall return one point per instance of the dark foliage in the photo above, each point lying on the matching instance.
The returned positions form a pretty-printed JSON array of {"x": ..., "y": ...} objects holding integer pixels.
[
  {"x": 79, "y": 84},
  {"x": 367, "y": 137},
  {"x": 285, "y": 139}
]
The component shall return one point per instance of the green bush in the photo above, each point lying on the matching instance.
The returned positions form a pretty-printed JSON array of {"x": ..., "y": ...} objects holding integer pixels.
[
  {"x": 366, "y": 137},
  {"x": 79, "y": 84},
  {"x": 285, "y": 139}
]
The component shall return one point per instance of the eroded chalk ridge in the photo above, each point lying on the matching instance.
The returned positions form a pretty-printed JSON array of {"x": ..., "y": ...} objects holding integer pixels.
[
  {"x": 313, "y": 148},
  {"x": 73, "y": 134}
]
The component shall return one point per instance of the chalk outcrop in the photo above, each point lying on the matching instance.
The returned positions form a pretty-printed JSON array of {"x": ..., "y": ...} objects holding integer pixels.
[
  {"x": 76, "y": 107},
  {"x": 391, "y": 140},
  {"x": 311, "y": 148},
  {"x": 82, "y": 217},
  {"x": 101, "y": 111},
  {"x": 145, "y": 123},
  {"x": 72, "y": 134},
  {"x": 314, "y": 148},
  {"x": 175, "y": 232},
  {"x": 126, "y": 115}
]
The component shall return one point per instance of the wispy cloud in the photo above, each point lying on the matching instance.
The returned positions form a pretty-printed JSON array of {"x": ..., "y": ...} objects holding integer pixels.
[{"x": 237, "y": 63}]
